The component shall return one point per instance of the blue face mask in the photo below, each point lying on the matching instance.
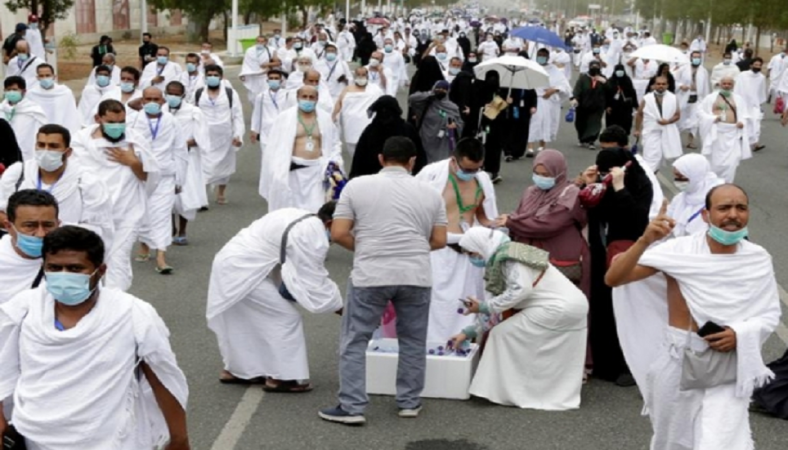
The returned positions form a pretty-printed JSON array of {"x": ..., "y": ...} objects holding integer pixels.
[
  {"x": 478, "y": 261},
  {"x": 13, "y": 96},
  {"x": 114, "y": 130},
  {"x": 388, "y": 48},
  {"x": 70, "y": 289},
  {"x": 152, "y": 108},
  {"x": 465, "y": 176},
  {"x": 213, "y": 81},
  {"x": 727, "y": 237},
  {"x": 174, "y": 101},
  {"x": 23, "y": 57},
  {"x": 544, "y": 183},
  {"x": 102, "y": 81},
  {"x": 162, "y": 60},
  {"x": 47, "y": 83},
  {"x": 331, "y": 57},
  {"x": 306, "y": 106},
  {"x": 441, "y": 56},
  {"x": 696, "y": 61},
  {"x": 29, "y": 245},
  {"x": 128, "y": 88},
  {"x": 191, "y": 67},
  {"x": 541, "y": 60},
  {"x": 274, "y": 84}
]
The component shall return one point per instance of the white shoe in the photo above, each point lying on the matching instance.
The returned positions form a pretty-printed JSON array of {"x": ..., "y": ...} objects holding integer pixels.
[{"x": 410, "y": 413}]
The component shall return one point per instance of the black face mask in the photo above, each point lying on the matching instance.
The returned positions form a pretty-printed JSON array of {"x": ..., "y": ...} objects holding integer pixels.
[
  {"x": 756, "y": 69},
  {"x": 440, "y": 95},
  {"x": 594, "y": 71}
]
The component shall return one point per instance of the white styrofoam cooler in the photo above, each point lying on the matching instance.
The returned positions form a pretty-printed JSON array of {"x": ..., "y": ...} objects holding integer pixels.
[{"x": 447, "y": 376}]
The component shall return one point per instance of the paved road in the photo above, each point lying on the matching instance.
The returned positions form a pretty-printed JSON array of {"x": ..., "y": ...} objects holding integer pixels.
[{"x": 232, "y": 417}]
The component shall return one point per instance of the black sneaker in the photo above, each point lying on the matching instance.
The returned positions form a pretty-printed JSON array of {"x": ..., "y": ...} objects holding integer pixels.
[
  {"x": 339, "y": 415},
  {"x": 625, "y": 380},
  {"x": 508, "y": 158},
  {"x": 496, "y": 178}
]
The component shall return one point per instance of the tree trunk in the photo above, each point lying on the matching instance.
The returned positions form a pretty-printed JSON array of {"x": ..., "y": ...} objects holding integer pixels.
[
  {"x": 204, "y": 29},
  {"x": 305, "y": 18},
  {"x": 226, "y": 24},
  {"x": 757, "y": 43}
]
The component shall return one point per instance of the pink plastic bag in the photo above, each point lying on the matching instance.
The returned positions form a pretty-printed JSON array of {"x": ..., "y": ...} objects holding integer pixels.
[{"x": 388, "y": 324}]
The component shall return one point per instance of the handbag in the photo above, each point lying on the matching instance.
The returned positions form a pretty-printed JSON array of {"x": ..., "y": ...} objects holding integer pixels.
[
  {"x": 573, "y": 270},
  {"x": 707, "y": 368},
  {"x": 570, "y": 115},
  {"x": 779, "y": 105},
  {"x": 12, "y": 440}
]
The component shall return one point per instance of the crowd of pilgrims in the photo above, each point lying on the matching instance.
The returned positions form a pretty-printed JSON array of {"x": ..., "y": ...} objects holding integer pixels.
[{"x": 135, "y": 158}]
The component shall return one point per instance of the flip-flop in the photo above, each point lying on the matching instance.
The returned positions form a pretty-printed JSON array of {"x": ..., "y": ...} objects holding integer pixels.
[
  {"x": 692, "y": 146},
  {"x": 180, "y": 240},
  {"x": 236, "y": 380},
  {"x": 288, "y": 388},
  {"x": 221, "y": 201},
  {"x": 142, "y": 257},
  {"x": 166, "y": 270}
]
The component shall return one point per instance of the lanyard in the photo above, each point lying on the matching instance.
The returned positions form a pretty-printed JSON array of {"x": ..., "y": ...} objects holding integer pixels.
[
  {"x": 154, "y": 131},
  {"x": 307, "y": 131},
  {"x": 160, "y": 70},
  {"x": 273, "y": 99},
  {"x": 331, "y": 72},
  {"x": 10, "y": 115},
  {"x": 39, "y": 184}
]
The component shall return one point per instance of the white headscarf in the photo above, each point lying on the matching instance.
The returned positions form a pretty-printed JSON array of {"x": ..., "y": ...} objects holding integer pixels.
[
  {"x": 697, "y": 170},
  {"x": 483, "y": 241}
]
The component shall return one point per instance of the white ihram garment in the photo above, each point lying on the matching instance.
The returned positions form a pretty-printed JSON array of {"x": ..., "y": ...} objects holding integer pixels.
[
  {"x": 353, "y": 115},
  {"x": 715, "y": 289},
  {"x": 331, "y": 72},
  {"x": 58, "y": 104},
  {"x": 689, "y": 120},
  {"x": 168, "y": 145},
  {"x": 25, "y": 119},
  {"x": 83, "y": 199},
  {"x": 27, "y": 70},
  {"x": 453, "y": 275},
  {"x": 252, "y": 72},
  {"x": 170, "y": 72},
  {"x": 751, "y": 87},
  {"x": 91, "y": 97},
  {"x": 535, "y": 358},
  {"x": 660, "y": 141},
  {"x": 300, "y": 188},
  {"x": 191, "y": 83},
  {"x": 192, "y": 196},
  {"x": 114, "y": 76},
  {"x": 544, "y": 124},
  {"x": 129, "y": 194},
  {"x": 724, "y": 144},
  {"x": 259, "y": 332},
  {"x": 89, "y": 372},
  {"x": 16, "y": 273},
  {"x": 224, "y": 124}
]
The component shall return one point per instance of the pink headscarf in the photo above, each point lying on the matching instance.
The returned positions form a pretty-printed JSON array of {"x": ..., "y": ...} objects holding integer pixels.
[{"x": 538, "y": 202}]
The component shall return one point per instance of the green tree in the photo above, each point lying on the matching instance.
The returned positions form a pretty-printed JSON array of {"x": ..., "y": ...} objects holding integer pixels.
[
  {"x": 201, "y": 12},
  {"x": 48, "y": 11}
]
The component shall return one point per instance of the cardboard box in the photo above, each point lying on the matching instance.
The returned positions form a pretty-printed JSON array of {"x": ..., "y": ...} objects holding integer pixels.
[{"x": 447, "y": 376}]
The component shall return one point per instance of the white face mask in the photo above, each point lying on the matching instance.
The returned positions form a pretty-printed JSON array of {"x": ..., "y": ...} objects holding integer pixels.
[
  {"x": 374, "y": 62},
  {"x": 49, "y": 160}
]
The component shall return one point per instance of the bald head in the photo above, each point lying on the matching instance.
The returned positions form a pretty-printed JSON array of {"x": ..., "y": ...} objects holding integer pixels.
[
  {"x": 152, "y": 94},
  {"x": 312, "y": 77},
  {"x": 726, "y": 83},
  {"x": 22, "y": 46},
  {"x": 307, "y": 92}
]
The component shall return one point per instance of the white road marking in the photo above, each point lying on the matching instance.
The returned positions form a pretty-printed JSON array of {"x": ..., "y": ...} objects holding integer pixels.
[
  {"x": 782, "y": 330},
  {"x": 236, "y": 425}
]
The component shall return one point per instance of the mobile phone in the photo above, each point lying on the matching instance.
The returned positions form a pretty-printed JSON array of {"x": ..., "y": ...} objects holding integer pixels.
[
  {"x": 464, "y": 301},
  {"x": 710, "y": 328}
]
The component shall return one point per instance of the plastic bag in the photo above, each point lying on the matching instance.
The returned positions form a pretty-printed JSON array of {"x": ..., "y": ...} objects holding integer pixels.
[
  {"x": 779, "y": 105},
  {"x": 570, "y": 115}
]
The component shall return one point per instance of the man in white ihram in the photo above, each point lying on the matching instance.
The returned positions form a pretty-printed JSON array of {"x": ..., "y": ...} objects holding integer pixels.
[
  {"x": 256, "y": 281},
  {"x": 721, "y": 304},
  {"x": 544, "y": 123},
  {"x": 751, "y": 86},
  {"x": 656, "y": 121},
  {"x": 131, "y": 393},
  {"x": 55, "y": 99},
  {"x": 351, "y": 108},
  {"x": 296, "y": 157},
  {"x": 721, "y": 117},
  {"x": 258, "y": 60}
]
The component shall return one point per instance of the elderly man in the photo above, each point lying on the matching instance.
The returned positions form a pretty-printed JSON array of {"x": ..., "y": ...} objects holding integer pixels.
[
  {"x": 313, "y": 78},
  {"x": 82, "y": 197},
  {"x": 438, "y": 121},
  {"x": 297, "y": 156},
  {"x": 55, "y": 99},
  {"x": 363, "y": 223},
  {"x": 724, "y": 69},
  {"x": 257, "y": 279},
  {"x": 221, "y": 107},
  {"x": 710, "y": 310},
  {"x": 93, "y": 93},
  {"x": 208, "y": 57},
  {"x": 123, "y": 160},
  {"x": 49, "y": 335},
  {"x": 24, "y": 64},
  {"x": 722, "y": 116},
  {"x": 24, "y": 116},
  {"x": 656, "y": 121},
  {"x": 352, "y": 106},
  {"x": 168, "y": 145},
  {"x": 161, "y": 71},
  {"x": 258, "y": 60},
  {"x": 751, "y": 87},
  {"x": 108, "y": 60}
]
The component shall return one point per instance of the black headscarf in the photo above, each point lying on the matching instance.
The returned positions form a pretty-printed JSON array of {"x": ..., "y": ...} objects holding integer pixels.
[
  {"x": 464, "y": 43},
  {"x": 9, "y": 148},
  {"x": 671, "y": 79},
  {"x": 625, "y": 83},
  {"x": 635, "y": 178},
  {"x": 426, "y": 76},
  {"x": 732, "y": 46},
  {"x": 468, "y": 66},
  {"x": 387, "y": 123}
]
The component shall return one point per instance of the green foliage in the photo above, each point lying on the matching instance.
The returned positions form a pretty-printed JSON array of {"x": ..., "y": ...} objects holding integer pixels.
[
  {"x": 48, "y": 10},
  {"x": 68, "y": 45}
]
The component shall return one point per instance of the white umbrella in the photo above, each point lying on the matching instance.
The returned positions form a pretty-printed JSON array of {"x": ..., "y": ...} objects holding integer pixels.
[
  {"x": 661, "y": 53},
  {"x": 516, "y": 72}
]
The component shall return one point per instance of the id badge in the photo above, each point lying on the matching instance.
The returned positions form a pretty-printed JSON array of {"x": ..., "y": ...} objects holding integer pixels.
[
  {"x": 522, "y": 103},
  {"x": 615, "y": 97},
  {"x": 441, "y": 134}
]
